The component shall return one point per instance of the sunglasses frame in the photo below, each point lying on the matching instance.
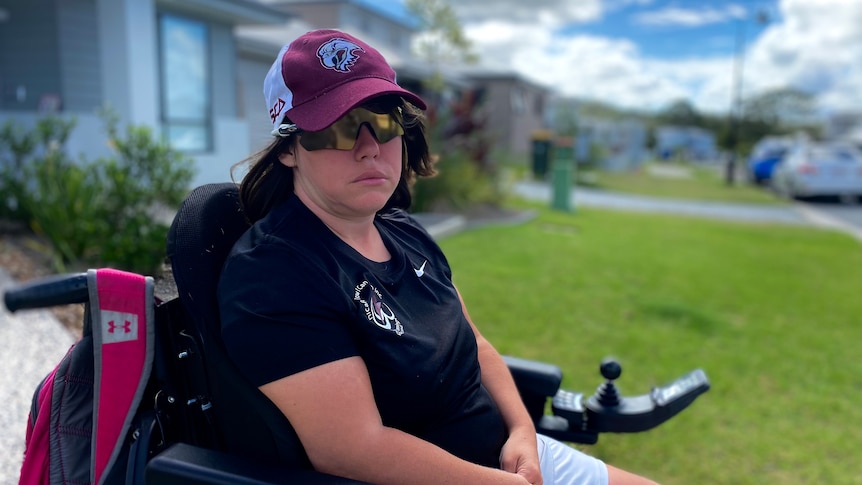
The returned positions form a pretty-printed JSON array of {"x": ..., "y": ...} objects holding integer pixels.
[{"x": 342, "y": 134}]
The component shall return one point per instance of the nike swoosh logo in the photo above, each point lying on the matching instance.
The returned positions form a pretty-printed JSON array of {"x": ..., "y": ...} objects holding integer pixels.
[{"x": 421, "y": 271}]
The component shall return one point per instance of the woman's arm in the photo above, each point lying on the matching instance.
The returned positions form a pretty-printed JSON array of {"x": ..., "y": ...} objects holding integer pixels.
[
  {"x": 333, "y": 411},
  {"x": 520, "y": 453}
]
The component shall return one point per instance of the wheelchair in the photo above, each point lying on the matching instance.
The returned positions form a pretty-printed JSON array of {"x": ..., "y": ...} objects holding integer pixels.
[{"x": 198, "y": 421}]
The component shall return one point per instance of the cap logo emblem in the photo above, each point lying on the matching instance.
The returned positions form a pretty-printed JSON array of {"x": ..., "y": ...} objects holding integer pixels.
[{"x": 339, "y": 54}]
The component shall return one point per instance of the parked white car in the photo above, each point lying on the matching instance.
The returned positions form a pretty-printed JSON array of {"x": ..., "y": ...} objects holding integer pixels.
[{"x": 820, "y": 169}]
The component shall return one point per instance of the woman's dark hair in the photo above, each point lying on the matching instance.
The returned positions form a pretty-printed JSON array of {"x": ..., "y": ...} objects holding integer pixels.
[{"x": 269, "y": 182}]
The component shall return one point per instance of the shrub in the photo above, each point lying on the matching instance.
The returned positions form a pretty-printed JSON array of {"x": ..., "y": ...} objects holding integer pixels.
[
  {"x": 458, "y": 185},
  {"x": 100, "y": 212},
  {"x": 466, "y": 174},
  {"x": 17, "y": 146}
]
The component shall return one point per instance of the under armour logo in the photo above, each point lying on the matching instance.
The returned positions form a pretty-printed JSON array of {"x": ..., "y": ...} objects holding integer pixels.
[
  {"x": 127, "y": 326},
  {"x": 118, "y": 327}
]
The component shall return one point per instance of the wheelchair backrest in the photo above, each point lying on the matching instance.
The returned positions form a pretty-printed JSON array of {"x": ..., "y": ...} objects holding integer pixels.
[{"x": 244, "y": 421}]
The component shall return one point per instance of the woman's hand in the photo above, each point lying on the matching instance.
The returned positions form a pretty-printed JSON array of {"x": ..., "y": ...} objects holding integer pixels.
[{"x": 519, "y": 455}]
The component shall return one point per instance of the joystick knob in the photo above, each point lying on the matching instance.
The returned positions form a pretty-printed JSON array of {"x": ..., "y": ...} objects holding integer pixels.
[
  {"x": 610, "y": 368},
  {"x": 607, "y": 394}
]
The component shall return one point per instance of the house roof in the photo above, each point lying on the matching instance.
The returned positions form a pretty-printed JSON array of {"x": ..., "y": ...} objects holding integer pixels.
[
  {"x": 488, "y": 73},
  {"x": 233, "y": 12}
]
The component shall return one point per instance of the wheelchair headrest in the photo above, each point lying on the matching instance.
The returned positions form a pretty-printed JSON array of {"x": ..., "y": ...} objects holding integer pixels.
[{"x": 206, "y": 226}]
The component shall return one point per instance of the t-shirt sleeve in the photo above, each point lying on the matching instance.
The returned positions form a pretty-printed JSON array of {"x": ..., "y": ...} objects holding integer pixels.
[{"x": 281, "y": 315}]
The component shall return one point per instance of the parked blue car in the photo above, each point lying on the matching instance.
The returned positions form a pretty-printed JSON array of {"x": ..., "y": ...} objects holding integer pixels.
[{"x": 764, "y": 157}]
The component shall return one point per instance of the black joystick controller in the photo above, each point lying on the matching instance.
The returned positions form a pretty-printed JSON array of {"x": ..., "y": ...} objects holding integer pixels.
[{"x": 607, "y": 394}]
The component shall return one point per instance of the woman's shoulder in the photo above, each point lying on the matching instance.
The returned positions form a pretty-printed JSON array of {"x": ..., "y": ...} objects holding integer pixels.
[
  {"x": 402, "y": 220},
  {"x": 283, "y": 239}
]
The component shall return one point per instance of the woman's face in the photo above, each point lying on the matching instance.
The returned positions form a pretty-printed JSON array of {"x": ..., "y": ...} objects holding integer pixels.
[{"x": 348, "y": 184}]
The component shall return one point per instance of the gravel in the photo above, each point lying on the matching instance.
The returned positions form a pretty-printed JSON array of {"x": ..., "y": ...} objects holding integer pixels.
[{"x": 31, "y": 344}]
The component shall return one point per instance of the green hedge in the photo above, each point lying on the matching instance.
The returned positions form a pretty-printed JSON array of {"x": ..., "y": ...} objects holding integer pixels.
[{"x": 93, "y": 212}]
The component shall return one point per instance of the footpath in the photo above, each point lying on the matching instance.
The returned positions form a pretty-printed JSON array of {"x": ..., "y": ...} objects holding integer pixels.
[
  {"x": 33, "y": 341},
  {"x": 796, "y": 214}
]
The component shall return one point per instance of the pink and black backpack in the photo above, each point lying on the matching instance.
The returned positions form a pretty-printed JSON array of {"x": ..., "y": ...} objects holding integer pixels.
[{"x": 84, "y": 413}]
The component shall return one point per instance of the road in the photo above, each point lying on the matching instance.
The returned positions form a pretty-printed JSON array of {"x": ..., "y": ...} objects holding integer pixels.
[
  {"x": 847, "y": 219},
  {"x": 851, "y": 214}
]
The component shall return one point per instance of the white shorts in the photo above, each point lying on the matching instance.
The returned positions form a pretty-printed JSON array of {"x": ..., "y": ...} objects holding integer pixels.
[{"x": 563, "y": 465}]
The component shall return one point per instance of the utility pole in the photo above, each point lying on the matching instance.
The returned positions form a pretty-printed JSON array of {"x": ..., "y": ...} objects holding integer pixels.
[{"x": 735, "y": 117}]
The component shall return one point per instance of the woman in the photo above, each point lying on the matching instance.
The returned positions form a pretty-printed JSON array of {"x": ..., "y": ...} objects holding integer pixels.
[{"x": 341, "y": 308}]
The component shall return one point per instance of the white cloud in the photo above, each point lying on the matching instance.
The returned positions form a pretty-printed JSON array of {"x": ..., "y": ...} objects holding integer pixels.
[
  {"x": 687, "y": 17},
  {"x": 609, "y": 70},
  {"x": 814, "y": 45},
  {"x": 532, "y": 12}
]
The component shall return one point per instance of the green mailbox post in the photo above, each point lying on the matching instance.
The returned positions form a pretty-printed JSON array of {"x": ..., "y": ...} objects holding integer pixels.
[
  {"x": 562, "y": 174},
  {"x": 542, "y": 148}
]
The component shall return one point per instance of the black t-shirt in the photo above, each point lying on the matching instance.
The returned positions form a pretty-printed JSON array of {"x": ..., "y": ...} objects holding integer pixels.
[{"x": 294, "y": 296}]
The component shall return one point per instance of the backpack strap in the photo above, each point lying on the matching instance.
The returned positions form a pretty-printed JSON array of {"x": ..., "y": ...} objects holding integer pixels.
[{"x": 122, "y": 311}]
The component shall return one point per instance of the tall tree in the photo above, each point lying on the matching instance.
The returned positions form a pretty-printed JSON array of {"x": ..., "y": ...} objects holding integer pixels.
[
  {"x": 683, "y": 113},
  {"x": 442, "y": 40},
  {"x": 783, "y": 107}
]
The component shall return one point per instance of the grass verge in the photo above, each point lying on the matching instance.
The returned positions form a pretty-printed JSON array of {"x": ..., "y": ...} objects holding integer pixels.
[
  {"x": 771, "y": 313},
  {"x": 685, "y": 181}
]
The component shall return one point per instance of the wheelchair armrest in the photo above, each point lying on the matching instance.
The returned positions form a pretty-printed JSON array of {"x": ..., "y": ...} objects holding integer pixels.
[
  {"x": 536, "y": 382},
  {"x": 535, "y": 377},
  {"x": 184, "y": 464}
]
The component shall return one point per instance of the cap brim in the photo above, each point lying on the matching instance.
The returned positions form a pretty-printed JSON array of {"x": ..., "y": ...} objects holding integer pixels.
[{"x": 326, "y": 109}]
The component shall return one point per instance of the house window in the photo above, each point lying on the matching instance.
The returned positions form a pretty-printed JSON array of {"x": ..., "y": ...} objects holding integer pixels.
[
  {"x": 517, "y": 98},
  {"x": 186, "y": 93}
]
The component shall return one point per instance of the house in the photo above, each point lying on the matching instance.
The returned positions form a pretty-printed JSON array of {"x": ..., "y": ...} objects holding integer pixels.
[
  {"x": 621, "y": 144},
  {"x": 692, "y": 143},
  {"x": 515, "y": 107},
  {"x": 167, "y": 64}
]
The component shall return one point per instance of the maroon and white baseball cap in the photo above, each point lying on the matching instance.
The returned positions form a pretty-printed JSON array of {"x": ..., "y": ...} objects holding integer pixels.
[{"x": 322, "y": 75}]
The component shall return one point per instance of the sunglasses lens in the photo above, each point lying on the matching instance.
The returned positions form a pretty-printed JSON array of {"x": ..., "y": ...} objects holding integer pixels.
[{"x": 342, "y": 134}]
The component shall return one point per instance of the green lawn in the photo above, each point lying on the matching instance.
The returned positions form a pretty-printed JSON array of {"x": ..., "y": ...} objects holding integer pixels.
[
  {"x": 772, "y": 313},
  {"x": 701, "y": 182}
]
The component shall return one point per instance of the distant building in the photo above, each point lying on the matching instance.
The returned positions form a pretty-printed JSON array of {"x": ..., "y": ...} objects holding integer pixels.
[
  {"x": 621, "y": 144},
  {"x": 687, "y": 142},
  {"x": 514, "y": 107}
]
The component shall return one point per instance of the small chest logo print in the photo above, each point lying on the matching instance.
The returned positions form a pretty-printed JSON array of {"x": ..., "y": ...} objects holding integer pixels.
[
  {"x": 421, "y": 271},
  {"x": 376, "y": 311}
]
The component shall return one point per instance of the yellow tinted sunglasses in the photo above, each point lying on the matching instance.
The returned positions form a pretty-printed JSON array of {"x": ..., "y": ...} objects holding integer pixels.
[{"x": 342, "y": 134}]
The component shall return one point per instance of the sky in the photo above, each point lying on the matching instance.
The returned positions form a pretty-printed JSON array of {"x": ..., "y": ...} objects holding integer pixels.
[{"x": 646, "y": 54}]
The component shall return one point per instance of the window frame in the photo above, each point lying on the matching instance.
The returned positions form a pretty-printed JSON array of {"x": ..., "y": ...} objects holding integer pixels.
[{"x": 169, "y": 121}]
